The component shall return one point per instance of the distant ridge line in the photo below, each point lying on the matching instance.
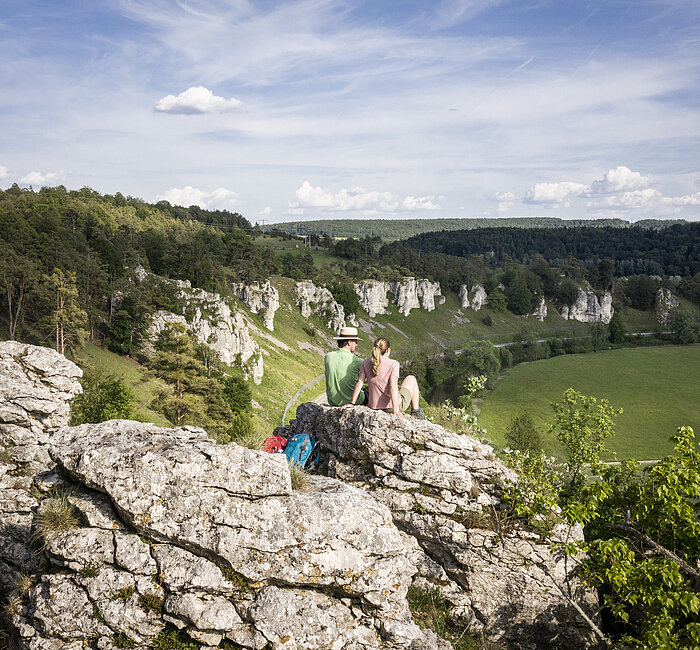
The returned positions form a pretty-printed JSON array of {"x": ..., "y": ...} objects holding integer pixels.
[{"x": 393, "y": 229}]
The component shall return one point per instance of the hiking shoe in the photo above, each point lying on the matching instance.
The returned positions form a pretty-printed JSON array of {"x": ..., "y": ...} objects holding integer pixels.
[{"x": 419, "y": 413}]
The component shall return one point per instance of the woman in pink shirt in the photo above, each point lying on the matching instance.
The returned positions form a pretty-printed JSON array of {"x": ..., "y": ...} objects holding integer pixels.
[{"x": 382, "y": 376}]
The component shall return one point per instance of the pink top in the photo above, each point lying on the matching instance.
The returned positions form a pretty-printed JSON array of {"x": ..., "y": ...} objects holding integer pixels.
[{"x": 379, "y": 387}]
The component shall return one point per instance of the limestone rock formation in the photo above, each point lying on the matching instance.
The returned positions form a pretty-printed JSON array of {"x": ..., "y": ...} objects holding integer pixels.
[
  {"x": 260, "y": 299},
  {"x": 209, "y": 317},
  {"x": 443, "y": 490},
  {"x": 664, "y": 302},
  {"x": 540, "y": 312},
  {"x": 319, "y": 300},
  {"x": 173, "y": 528},
  {"x": 372, "y": 295},
  {"x": 588, "y": 308},
  {"x": 35, "y": 393},
  {"x": 409, "y": 294},
  {"x": 478, "y": 297}
]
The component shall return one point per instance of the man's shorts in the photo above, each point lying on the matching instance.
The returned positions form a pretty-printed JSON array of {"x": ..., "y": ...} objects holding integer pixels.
[{"x": 404, "y": 398}]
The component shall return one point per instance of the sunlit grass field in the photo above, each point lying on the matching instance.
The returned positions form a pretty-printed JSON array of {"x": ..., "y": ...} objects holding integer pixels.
[
  {"x": 143, "y": 385},
  {"x": 658, "y": 388}
]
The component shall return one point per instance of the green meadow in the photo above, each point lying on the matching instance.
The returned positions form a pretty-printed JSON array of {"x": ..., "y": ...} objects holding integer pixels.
[{"x": 658, "y": 388}]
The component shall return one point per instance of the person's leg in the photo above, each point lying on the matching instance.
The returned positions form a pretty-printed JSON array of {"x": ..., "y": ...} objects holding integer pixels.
[{"x": 412, "y": 385}]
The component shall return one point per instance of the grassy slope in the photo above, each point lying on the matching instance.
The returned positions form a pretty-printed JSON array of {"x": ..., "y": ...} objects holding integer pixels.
[
  {"x": 287, "y": 370},
  {"x": 134, "y": 375},
  {"x": 657, "y": 387}
]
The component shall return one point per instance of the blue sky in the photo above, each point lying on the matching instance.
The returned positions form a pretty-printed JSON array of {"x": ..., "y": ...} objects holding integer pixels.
[{"x": 396, "y": 109}]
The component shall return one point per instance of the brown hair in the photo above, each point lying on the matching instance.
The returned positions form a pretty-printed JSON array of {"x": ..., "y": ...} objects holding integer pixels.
[{"x": 381, "y": 345}]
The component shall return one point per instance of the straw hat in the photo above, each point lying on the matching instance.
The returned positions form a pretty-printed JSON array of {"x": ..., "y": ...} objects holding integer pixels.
[{"x": 347, "y": 334}]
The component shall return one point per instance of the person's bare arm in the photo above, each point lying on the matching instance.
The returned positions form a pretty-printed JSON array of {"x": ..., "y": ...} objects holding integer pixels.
[{"x": 356, "y": 391}]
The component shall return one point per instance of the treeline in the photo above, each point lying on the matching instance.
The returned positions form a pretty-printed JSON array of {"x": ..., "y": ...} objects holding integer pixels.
[
  {"x": 393, "y": 229},
  {"x": 674, "y": 250},
  {"x": 432, "y": 368},
  {"x": 512, "y": 285},
  {"x": 63, "y": 255}
]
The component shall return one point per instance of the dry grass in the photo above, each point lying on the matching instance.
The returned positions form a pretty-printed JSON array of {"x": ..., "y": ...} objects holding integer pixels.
[
  {"x": 12, "y": 607},
  {"x": 300, "y": 479},
  {"x": 23, "y": 583},
  {"x": 252, "y": 440},
  {"x": 56, "y": 514}
]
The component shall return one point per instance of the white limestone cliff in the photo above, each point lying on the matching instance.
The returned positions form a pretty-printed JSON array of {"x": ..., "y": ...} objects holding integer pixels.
[
  {"x": 478, "y": 297},
  {"x": 171, "y": 531},
  {"x": 261, "y": 299},
  {"x": 210, "y": 319},
  {"x": 372, "y": 295},
  {"x": 409, "y": 294},
  {"x": 589, "y": 308},
  {"x": 664, "y": 302},
  {"x": 319, "y": 300},
  {"x": 540, "y": 312}
]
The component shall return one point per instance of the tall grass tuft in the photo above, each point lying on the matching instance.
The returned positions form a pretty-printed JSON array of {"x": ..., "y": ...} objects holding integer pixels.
[
  {"x": 56, "y": 514},
  {"x": 300, "y": 479}
]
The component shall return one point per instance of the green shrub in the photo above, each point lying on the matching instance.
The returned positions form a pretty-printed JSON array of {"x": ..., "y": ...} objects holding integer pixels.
[
  {"x": 237, "y": 394},
  {"x": 104, "y": 397},
  {"x": 170, "y": 638},
  {"x": 523, "y": 435}
]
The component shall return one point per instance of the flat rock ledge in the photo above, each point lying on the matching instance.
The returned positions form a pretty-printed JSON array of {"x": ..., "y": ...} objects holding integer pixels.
[
  {"x": 172, "y": 529},
  {"x": 443, "y": 490}
]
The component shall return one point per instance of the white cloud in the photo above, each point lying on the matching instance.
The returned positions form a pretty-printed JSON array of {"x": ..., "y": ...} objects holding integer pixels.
[
  {"x": 4, "y": 172},
  {"x": 219, "y": 199},
  {"x": 40, "y": 179},
  {"x": 620, "y": 179},
  {"x": 629, "y": 200},
  {"x": 360, "y": 200},
  {"x": 681, "y": 201},
  {"x": 555, "y": 193},
  {"x": 505, "y": 201},
  {"x": 197, "y": 100},
  {"x": 413, "y": 203}
]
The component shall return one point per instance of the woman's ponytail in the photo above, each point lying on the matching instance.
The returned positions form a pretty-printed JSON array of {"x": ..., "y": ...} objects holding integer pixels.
[{"x": 381, "y": 345}]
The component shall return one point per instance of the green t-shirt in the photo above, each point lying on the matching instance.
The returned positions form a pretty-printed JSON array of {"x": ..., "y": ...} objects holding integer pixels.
[{"x": 342, "y": 371}]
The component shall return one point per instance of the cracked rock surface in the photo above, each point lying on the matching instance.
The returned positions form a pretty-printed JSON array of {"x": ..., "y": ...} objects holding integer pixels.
[
  {"x": 164, "y": 530},
  {"x": 35, "y": 393},
  {"x": 444, "y": 490}
]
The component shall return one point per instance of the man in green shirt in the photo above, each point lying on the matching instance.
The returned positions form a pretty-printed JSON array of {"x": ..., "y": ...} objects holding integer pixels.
[{"x": 343, "y": 368}]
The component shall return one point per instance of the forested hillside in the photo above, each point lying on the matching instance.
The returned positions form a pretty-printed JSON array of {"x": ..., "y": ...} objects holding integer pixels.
[
  {"x": 393, "y": 229},
  {"x": 81, "y": 244},
  {"x": 674, "y": 250}
]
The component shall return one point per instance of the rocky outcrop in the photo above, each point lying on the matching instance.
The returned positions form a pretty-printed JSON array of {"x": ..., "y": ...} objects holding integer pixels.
[
  {"x": 372, "y": 295},
  {"x": 261, "y": 299},
  {"x": 664, "y": 302},
  {"x": 540, "y": 312},
  {"x": 478, "y": 297},
  {"x": 35, "y": 393},
  {"x": 319, "y": 300},
  {"x": 444, "y": 490},
  {"x": 409, "y": 294},
  {"x": 588, "y": 308},
  {"x": 171, "y": 528},
  {"x": 210, "y": 319}
]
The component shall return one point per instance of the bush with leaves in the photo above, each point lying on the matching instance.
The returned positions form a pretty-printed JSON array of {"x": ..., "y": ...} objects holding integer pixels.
[
  {"x": 642, "y": 525},
  {"x": 104, "y": 397},
  {"x": 522, "y": 434}
]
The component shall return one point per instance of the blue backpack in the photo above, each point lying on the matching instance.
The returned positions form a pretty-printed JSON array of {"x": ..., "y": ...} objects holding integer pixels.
[{"x": 303, "y": 450}]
